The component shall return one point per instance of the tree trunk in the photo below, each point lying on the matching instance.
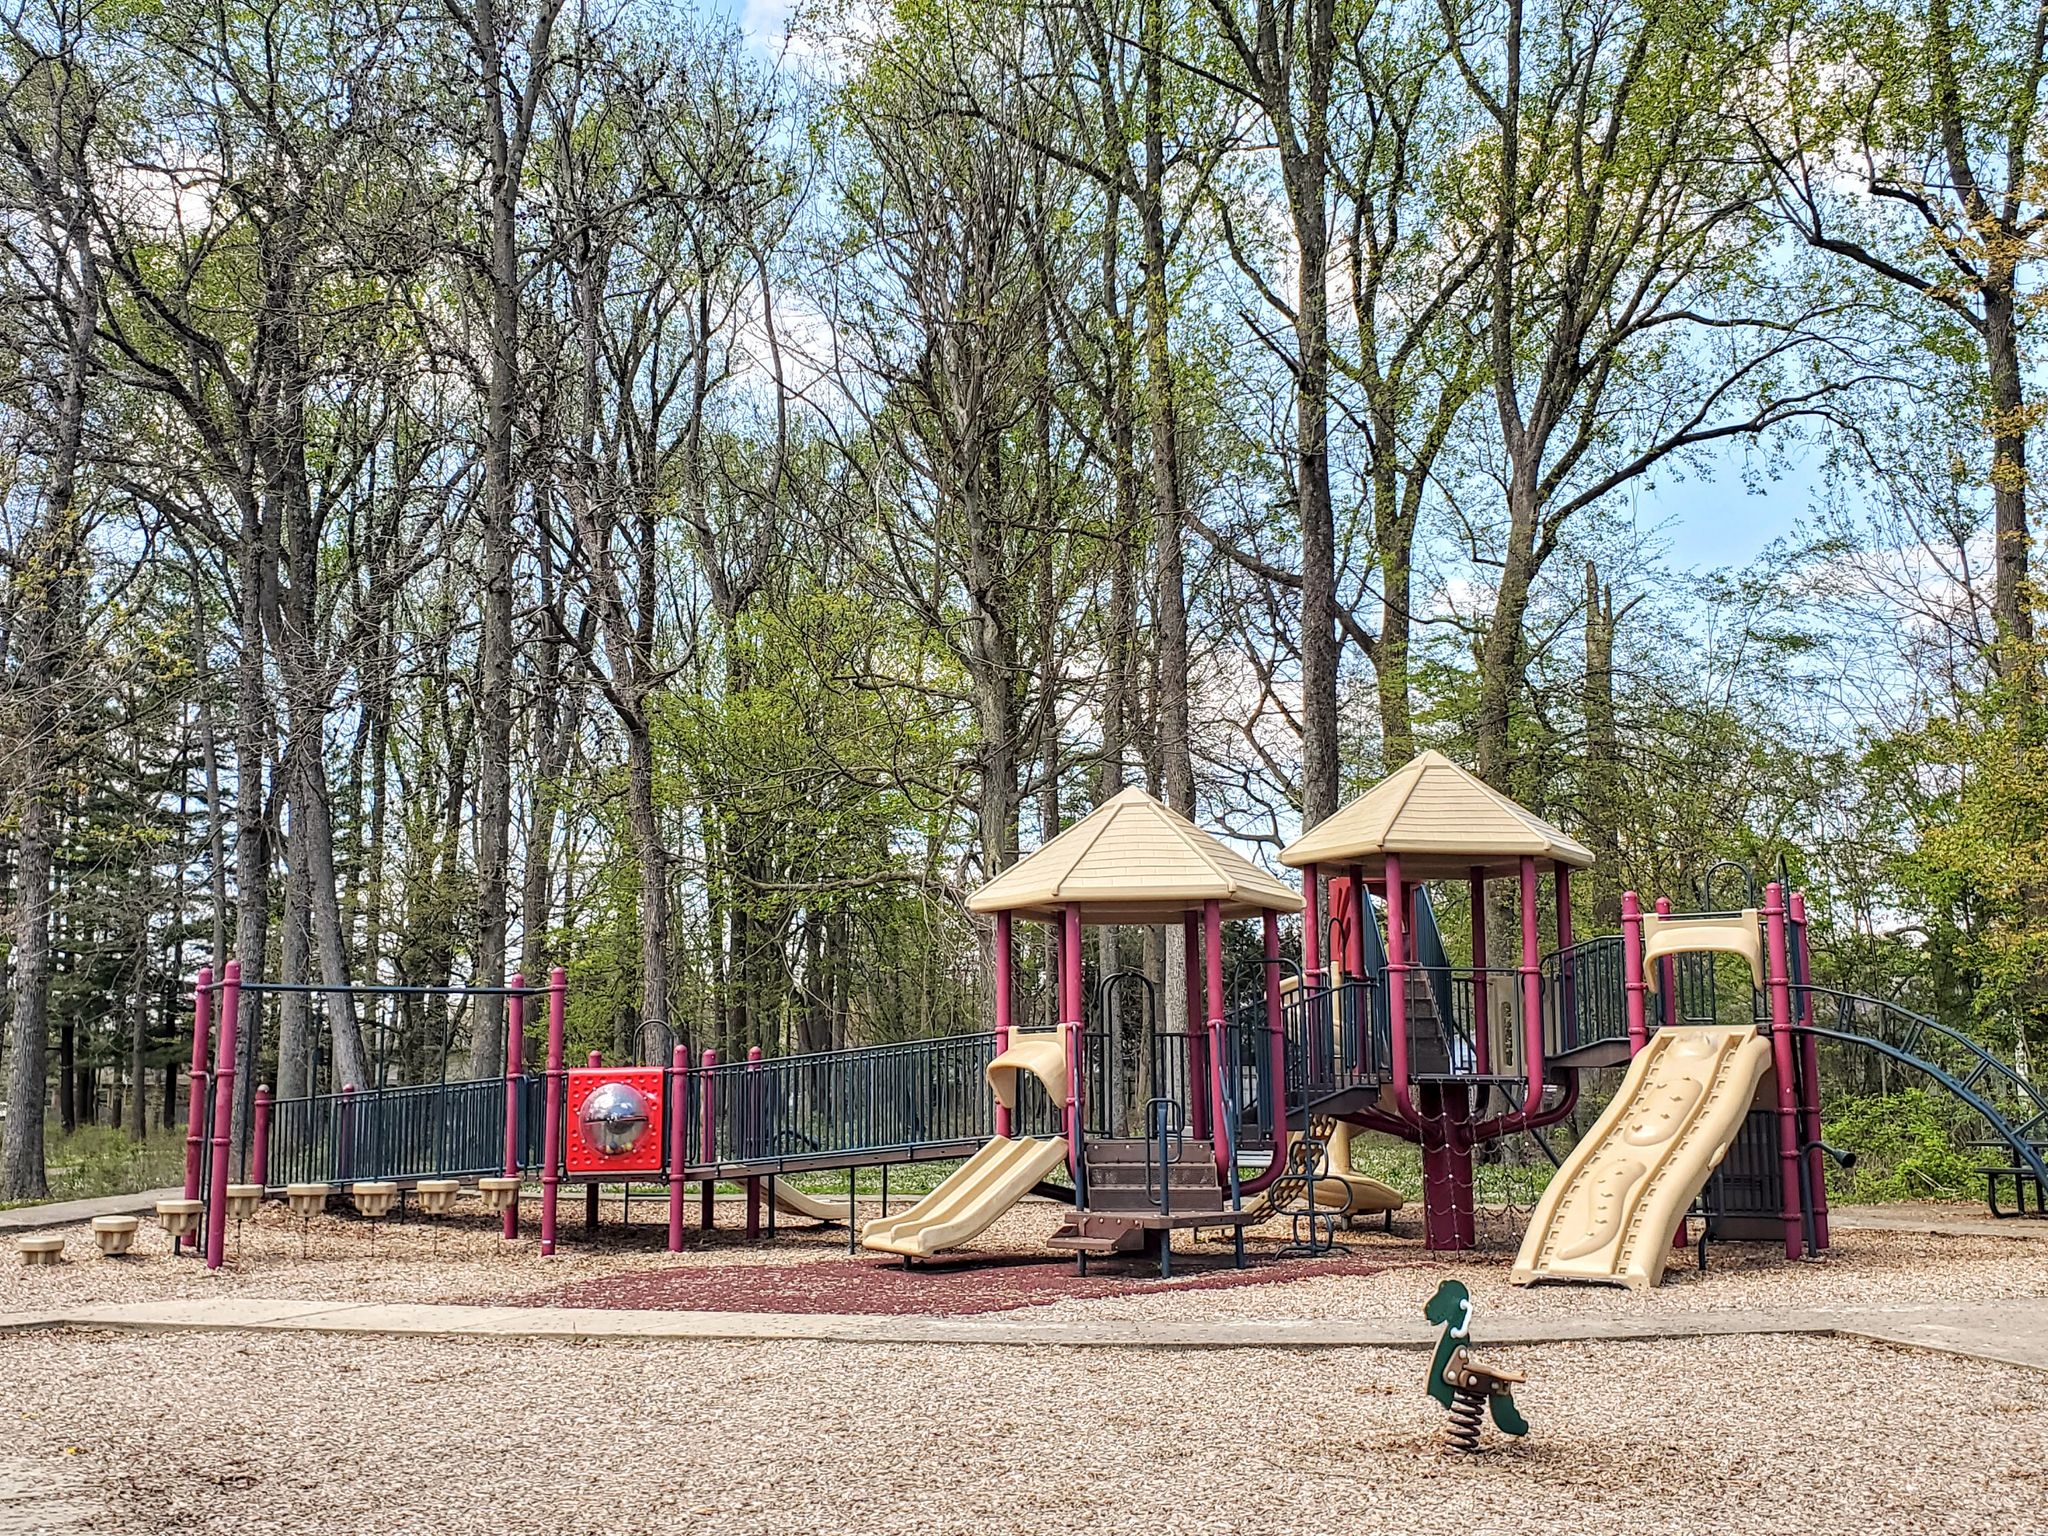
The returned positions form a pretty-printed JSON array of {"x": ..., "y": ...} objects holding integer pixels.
[
  {"x": 1500, "y": 650},
  {"x": 2011, "y": 601},
  {"x": 1319, "y": 765},
  {"x": 1602, "y": 801},
  {"x": 21, "y": 1155},
  {"x": 49, "y": 591},
  {"x": 1397, "y": 504},
  {"x": 209, "y": 746},
  {"x": 137, "y": 1101},
  {"x": 294, "y": 1010},
  {"x": 1307, "y": 178},
  {"x": 1169, "y": 579},
  {"x": 507, "y": 137},
  {"x": 652, "y": 855}
]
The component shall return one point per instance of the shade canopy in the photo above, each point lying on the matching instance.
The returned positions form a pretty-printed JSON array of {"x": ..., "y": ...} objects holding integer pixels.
[
  {"x": 1441, "y": 822},
  {"x": 1131, "y": 860}
]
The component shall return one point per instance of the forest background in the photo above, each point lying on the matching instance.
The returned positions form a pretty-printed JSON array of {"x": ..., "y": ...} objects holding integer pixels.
[{"x": 494, "y": 484}]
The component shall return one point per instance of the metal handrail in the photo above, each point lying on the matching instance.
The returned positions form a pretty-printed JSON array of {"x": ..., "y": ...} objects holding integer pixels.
[
  {"x": 1167, "y": 1137},
  {"x": 1983, "y": 1065},
  {"x": 2027, "y": 1152}
]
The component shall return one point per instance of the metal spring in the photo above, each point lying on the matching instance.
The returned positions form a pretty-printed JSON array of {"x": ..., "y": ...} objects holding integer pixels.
[{"x": 1462, "y": 1432}]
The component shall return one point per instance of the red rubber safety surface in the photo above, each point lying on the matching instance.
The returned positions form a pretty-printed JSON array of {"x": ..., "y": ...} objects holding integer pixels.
[{"x": 882, "y": 1287}]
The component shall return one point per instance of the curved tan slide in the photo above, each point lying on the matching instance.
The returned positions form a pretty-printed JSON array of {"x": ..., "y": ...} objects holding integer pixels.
[
  {"x": 1342, "y": 1189},
  {"x": 1612, "y": 1210},
  {"x": 795, "y": 1202},
  {"x": 969, "y": 1201}
]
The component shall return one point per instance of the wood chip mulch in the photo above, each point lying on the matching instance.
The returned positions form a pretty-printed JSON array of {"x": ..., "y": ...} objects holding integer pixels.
[{"x": 882, "y": 1287}]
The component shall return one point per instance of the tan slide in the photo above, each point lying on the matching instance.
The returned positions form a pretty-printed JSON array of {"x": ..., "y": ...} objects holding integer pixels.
[
  {"x": 1612, "y": 1210},
  {"x": 1345, "y": 1189},
  {"x": 1342, "y": 1189},
  {"x": 794, "y": 1202},
  {"x": 969, "y": 1201}
]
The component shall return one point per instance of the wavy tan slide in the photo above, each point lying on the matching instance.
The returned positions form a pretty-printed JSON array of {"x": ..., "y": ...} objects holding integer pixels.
[
  {"x": 970, "y": 1199},
  {"x": 1612, "y": 1210},
  {"x": 795, "y": 1202}
]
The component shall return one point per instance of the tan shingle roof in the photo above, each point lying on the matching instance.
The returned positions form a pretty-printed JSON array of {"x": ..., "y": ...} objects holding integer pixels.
[
  {"x": 1442, "y": 822},
  {"x": 1131, "y": 860}
]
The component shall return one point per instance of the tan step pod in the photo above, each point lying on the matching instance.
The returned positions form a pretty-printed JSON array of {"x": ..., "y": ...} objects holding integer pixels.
[
  {"x": 436, "y": 1196},
  {"x": 498, "y": 1194},
  {"x": 243, "y": 1200},
  {"x": 373, "y": 1199},
  {"x": 306, "y": 1199},
  {"x": 40, "y": 1250},
  {"x": 114, "y": 1234},
  {"x": 180, "y": 1218}
]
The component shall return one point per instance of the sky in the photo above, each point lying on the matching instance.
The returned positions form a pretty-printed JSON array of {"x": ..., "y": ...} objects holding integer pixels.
[{"x": 1716, "y": 521}]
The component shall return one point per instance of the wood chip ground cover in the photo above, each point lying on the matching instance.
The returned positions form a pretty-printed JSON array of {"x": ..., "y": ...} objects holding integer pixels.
[{"x": 208, "y": 1433}]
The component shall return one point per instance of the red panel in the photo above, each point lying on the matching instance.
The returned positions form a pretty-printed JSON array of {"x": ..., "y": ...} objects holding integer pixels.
[{"x": 583, "y": 1154}]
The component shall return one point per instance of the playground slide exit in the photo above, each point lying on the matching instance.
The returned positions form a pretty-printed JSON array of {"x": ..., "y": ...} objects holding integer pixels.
[
  {"x": 971, "y": 1198},
  {"x": 1613, "y": 1208},
  {"x": 794, "y": 1202}
]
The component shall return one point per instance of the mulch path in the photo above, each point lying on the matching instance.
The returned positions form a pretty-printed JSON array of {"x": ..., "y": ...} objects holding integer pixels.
[{"x": 882, "y": 1287}]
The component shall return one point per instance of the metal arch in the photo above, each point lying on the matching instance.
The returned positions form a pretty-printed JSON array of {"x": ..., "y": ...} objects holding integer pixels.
[
  {"x": 671, "y": 1039},
  {"x": 1706, "y": 881},
  {"x": 2023, "y": 1149},
  {"x": 1985, "y": 1064}
]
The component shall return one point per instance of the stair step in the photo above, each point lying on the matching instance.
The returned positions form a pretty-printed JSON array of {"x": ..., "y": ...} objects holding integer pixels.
[
  {"x": 1106, "y": 1150},
  {"x": 1183, "y": 1201},
  {"x": 1177, "y": 1174}
]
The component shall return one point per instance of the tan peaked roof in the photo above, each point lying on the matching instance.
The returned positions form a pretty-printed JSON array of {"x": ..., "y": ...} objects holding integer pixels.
[
  {"x": 1131, "y": 860},
  {"x": 1442, "y": 822}
]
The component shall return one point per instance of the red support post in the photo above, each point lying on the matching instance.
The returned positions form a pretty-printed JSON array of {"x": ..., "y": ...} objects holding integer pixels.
[
  {"x": 707, "y": 1144},
  {"x": 1667, "y": 976},
  {"x": 678, "y": 1139},
  {"x": 753, "y": 1109},
  {"x": 515, "y": 1072},
  {"x": 1212, "y": 954},
  {"x": 1448, "y": 1218},
  {"x": 1074, "y": 1029},
  {"x": 1397, "y": 979},
  {"x": 1532, "y": 996},
  {"x": 1311, "y": 930},
  {"x": 1482, "y": 1018},
  {"x": 1777, "y": 977},
  {"x": 196, "y": 1084},
  {"x": 1809, "y": 1065},
  {"x": 1566, "y": 1002},
  {"x": 1276, "y": 1038},
  {"x": 1361, "y": 914},
  {"x": 1195, "y": 1025},
  {"x": 223, "y": 1114},
  {"x": 259, "y": 1139},
  {"x": 1005, "y": 1003},
  {"x": 551, "y": 1128},
  {"x": 1632, "y": 983}
]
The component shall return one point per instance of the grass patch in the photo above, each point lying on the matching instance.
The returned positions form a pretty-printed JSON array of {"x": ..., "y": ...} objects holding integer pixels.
[
  {"x": 1906, "y": 1149},
  {"x": 95, "y": 1161}
]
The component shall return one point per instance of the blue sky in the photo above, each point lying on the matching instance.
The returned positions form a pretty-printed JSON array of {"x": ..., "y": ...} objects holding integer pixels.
[{"x": 1715, "y": 520}]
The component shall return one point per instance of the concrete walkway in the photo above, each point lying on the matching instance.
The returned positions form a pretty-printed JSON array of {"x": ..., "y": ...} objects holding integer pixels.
[
  {"x": 2012, "y": 1333},
  {"x": 1937, "y": 1220},
  {"x": 62, "y": 1213}
]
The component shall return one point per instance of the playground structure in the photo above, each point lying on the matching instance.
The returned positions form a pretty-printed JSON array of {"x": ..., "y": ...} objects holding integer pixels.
[{"x": 1239, "y": 1110}]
